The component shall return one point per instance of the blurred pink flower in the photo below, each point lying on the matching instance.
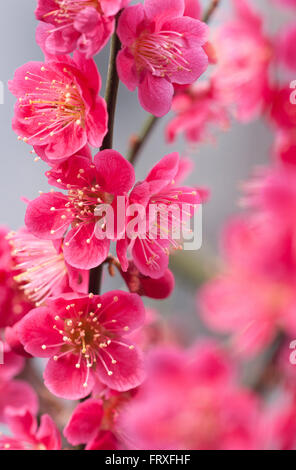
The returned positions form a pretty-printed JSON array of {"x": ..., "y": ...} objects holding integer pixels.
[
  {"x": 190, "y": 401},
  {"x": 25, "y": 432},
  {"x": 244, "y": 54},
  {"x": 197, "y": 109}
]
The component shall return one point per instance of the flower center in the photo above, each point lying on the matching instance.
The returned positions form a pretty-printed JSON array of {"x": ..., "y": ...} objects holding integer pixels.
[
  {"x": 88, "y": 336},
  {"x": 53, "y": 105},
  {"x": 161, "y": 53},
  {"x": 40, "y": 267}
]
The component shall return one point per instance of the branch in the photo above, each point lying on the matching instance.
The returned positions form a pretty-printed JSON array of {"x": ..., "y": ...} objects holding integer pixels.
[
  {"x": 208, "y": 14},
  {"x": 95, "y": 275},
  {"x": 139, "y": 141}
]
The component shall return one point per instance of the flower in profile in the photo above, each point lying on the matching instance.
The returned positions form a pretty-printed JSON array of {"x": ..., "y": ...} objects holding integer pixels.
[
  {"x": 58, "y": 108},
  {"x": 90, "y": 186},
  {"x": 158, "y": 231},
  {"x": 94, "y": 422},
  {"x": 137, "y": 283},
  {"x": 85, "y": 339},
  {"x": 85, "y": 25},
  {"x": 40, "y": 268},
  {"x": 197, "y": 108},
  {"x": 161, "y": 47},
  {"x": 26, "y": 435},
  {"x": 244, "y": 55},
  {"x": 203, "y": 410}
]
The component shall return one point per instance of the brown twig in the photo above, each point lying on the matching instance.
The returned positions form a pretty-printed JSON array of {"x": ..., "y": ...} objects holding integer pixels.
[{"x": 211, "y": 9}]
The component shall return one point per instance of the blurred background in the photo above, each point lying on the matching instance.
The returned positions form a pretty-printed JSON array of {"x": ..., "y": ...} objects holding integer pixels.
[{"x": 221, "y": 166}]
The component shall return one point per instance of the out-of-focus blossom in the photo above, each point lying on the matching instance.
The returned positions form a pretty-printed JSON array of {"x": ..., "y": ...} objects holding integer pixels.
[
  {"x": 13, "y": 303},
  {"x": 94, "y": 422},
  {"x": 197, "y": 109},
  {"x": 190, "y": 401},
  {"x": 83, "y": 24},
  {"x": 14, "y": 393},
  {"x": 288, "y": 3},
  {"x": 244, "y": 55},
  {"x": 154, "y": 238},
  {"x": 285, "y": 48},
  {"x": 58, "y": 108},
  {"x": 260, "y": 269},
  {"x": 280, "y": 424},
  {"x": 86, "y": 338},
  {"x": 160, "y": 47},
  {"x": 26, "y": 435},
  {"x": 90, "y": 185}
]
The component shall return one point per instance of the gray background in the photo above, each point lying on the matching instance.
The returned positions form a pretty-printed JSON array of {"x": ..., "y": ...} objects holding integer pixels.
[{"x": 221, "y": 167}]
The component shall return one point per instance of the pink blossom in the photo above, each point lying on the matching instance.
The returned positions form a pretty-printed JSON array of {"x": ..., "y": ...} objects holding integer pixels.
[
  {"x": 40, "y": 268},
  {"x": 151, "y": 244},
  {"x": 196, "y": 109},
  {"x": 160, "y": 47},
  {"x": 192, "y": 9},
  {"x": 280, "y": 422},
  {"x": 59, "y": 109},
  {"x": 190, "y": 401},
  {"x": 25, "y": 432},
  {"x": 283, "y": 111},
  {"x": 244, "y": 54},
  {"x": 89, "y": 185},
  {"x": 85, "y": 339},
  {"x": 83, "y": 24}
]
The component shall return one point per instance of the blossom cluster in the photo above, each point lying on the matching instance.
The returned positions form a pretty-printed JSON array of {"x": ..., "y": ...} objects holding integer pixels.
[{"x": 108, "y": 351}]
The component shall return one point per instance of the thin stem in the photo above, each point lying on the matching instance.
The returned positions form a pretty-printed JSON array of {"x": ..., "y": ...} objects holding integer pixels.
[
  {"x": 208, "y": 14},
  {"x": 95, "y": 275},
  {"x": 111, "y": 90},
  {"x": 139, "y": 141}
]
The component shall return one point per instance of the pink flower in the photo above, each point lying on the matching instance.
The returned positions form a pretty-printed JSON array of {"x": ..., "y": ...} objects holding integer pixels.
[
  {"x": 14, "y": 394},
  {"x": 40, "y": 268},
  {"x": 89, "y": 186},
  {"x": 58, "y": 110},
  {"x": 160, "y": 47},
  {"x": 83, "y": 24},
  {"x": 85, "y": 339},
  {"x": 25, "y": 432},
  {"x": 197, "y": 108},
  {"x": 244, "y": 54},
  {"x": 143, "y": 285},
  {"x": 203, "y": 410},
  {"x": 150, "y": 245},
  {"x": 283, "y": 111}
]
